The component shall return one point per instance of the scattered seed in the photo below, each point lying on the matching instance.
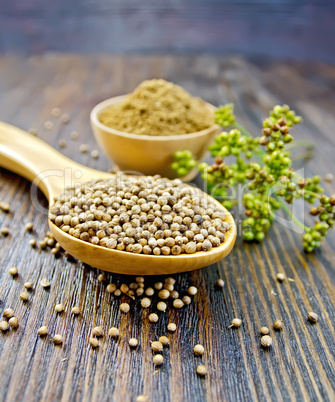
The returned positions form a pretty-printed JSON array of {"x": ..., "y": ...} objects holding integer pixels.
[
  {"x": 158, "y": 360},
  {"x": 164, "y": 294},
  {"x": 4, "y": 206},
  {"x": 281, "y": 277},
  {"x": 313, "y": 317},
  {"x": 145, "y": 302},
  {"x": 101, "y": 278},
  {"x": 171, "y": 327},
  {"x": 278, "y": 324},
  {"x": 220, "y": 283},
  {"x": 117, "y": 293},
  {"x": 199, "y": 350},
  {"x": 169, "y": 287},
  {"x": 164, "y": 340},
  {"x": 161, "y": 306},
  {"x": 178, "y": 303},
  {"x": 329, "y": 177},
  {"x": 13, "y": 322},
  {"x": 65, "y": 118},
  {"x": 170, "y": 280},
  {"x": 174, "y": 294},
  {"x": 201, "y": 370},
  {"x": 75, "y": 310},
  {"x": 139, "y": 279},
  {"x": 149, "y": 292},
  {"x": 156, "y": 346},
  {"x": 32, "y": 242},
  {"x": 74, "y": 135},
  {"x": 158, "y": 285},
  {"x": 55, "y": 112},
  {"x": 93, "y": 342},
  {"x": 139, "y": 291},
  {"x": 237, "y": 322},
  {"x": 114, "y": 332},
  {"x": 153, "y": 317},
  {"x": 266, "y": 341},
  {"x": 24, "y": 296},
  {"x": 8, "y": 313},
  {"x": 124, "y": 307},
  {"x": 32, "y": 131},
  {"x": 142, "y": 398},
  {"x": 48, "y": 125},
  {"x": 133, "y": 342},
  {"x": 95, "y": 154},
  {"x": 124, "y": 288},
  {"x": 62, "y": 143},
  {"x": 4, "y": 231},
  {"x": 4, "y": 326},
  {"x": 13, "y": 271},
  {"x": 192, "y": 290},
  {"x": 45, "y": 283},
  {"x": 290, "y": 279},
  {"x": 83, "y": 148},
  {"x": 97, "y": 331},
  {"x": 42, "y": 331},
  {"x": 111, "y": 288},
  {"x": 57, "y": 339},
  {"x": 59, "y": 308},
  {"x": 265, "y": 331}
]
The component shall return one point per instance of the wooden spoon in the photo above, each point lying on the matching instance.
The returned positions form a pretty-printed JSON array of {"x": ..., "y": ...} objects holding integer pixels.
[{"x": 28, "y": 156}]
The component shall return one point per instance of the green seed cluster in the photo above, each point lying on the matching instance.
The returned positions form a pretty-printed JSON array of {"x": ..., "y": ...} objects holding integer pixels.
[
  {"x": 149, "y": 215},
  {"x": 271, "y": 172},
  {"x": 184, "y": 163}
]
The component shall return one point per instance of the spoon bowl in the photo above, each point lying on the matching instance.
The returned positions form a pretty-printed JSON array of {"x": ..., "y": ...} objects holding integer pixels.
[{"x": 52, "y": 172}]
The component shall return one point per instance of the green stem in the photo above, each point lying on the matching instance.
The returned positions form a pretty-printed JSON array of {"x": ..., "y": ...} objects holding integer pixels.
[
  {"x": 301, "y": 144},
  {"x": 289, "y": 213},
  {"x": 312, "y": 193},
  {"x": 242, "y": 129}
]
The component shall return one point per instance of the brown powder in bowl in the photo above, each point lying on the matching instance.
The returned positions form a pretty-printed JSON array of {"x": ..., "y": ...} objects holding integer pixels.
[{"x": 156, "y": 108}]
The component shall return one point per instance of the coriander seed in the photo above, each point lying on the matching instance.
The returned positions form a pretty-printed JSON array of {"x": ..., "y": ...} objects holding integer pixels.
[
  {"x": 237, "y": 322},
  {"x": 139, "y": 279},
  {"x": 201, "y": 370},
  {"x": 13, "y": 271},
  {"x": 220, "y": 283},
  {"x": 62, "y": 143},
  {"x": 59, "y": 308},
  {"x": 149, "y": 292},
  {"x": 74, "y": 135},
  {"x": 57, "y": 339},
  {"x": 4, "y": 206},
  {"x": 98, "y": 331},
  {"x": 265, "y": 331},
  {"x": 114, "y": 332},
  {"x": 164, "y": 294},
  {"x": 278, "y": 324},
  {"x": 42, "y": 331},
  {"x": 158, "y": 285},
  {"x": 101, "y": 278},
  {"x": 95, "y": 154},
  {"x": 199, "y": 350},
  {"x": 111, "y": 288},
  {"x": 266, "y": 341},
  {"x": 178, "y": 303},
  {"x": 142, "y": 398},
  {"x": 4, "y": 231},
  {"x": 139, "y": 291},
  {"x": 65, "y": 118},
  {"x": 55, "y": 112},
  {"x": 32, "y": 242},
  {"x": 156, "y": 346},
  {"x": 158, "y": 360},
  {"x": 170, "y": 280},
  {"x": 145, "y": 302},
  {"x": 124, "y": 288},
  {"x": 8, "y": 313},
  {"x": 75, "y": 310},
  {"x": 93, "y": 342},
  {"x": 153, "y": 317},
  {"x": 83, "y": 148},
  {"x": 124, "y": 307},
  {"x": 164, "y": 340},
  {"x": 192, "y": 290},
  {"x": 29, "y": 226},
  {"x": 13, "y": 322},
  {"x": 4, "y": 326},
  {"x": 187, "y": 300},
  {"x": 313, "y": 317},
  {"x": 45, "y": 283},
  {"x": 280, "y": 277},
  {"x": 117, "y": 293},
  {"x": 24, "y": 296},
  {"x": 48, "y": 125},
  {"x": 133, "y": 342},
  {"x": 171, "y": 327},
  {"x": 161, "y": 306}
]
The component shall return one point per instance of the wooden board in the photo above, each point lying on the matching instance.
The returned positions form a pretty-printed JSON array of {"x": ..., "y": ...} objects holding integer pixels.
[{"x": 301, "y": 362}]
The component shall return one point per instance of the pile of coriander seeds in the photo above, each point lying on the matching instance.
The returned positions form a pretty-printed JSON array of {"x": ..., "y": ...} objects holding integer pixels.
[{"x": 141, "y": 214}]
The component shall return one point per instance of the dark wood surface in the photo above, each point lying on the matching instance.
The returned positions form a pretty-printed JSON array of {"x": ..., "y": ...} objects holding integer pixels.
[
  {"x": 294, "y": 29},
  {"x": 301, "y": 363}
]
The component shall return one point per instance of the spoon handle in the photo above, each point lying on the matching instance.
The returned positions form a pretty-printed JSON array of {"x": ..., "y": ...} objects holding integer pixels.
[{"x": 32, "y": 158}]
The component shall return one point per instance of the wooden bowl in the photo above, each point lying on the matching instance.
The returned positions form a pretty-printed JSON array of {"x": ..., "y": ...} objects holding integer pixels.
[{"x": 145, "y": 154}]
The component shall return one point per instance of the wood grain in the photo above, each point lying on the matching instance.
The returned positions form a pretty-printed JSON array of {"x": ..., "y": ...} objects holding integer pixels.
[{"x": 301, "y": 363}]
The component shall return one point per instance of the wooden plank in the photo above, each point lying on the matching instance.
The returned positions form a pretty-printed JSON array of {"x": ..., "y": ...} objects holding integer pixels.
[{"x": 301, "y": 363}]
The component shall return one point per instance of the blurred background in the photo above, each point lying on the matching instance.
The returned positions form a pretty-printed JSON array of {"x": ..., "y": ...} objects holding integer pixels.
[{"x": 285, "y": 29}]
